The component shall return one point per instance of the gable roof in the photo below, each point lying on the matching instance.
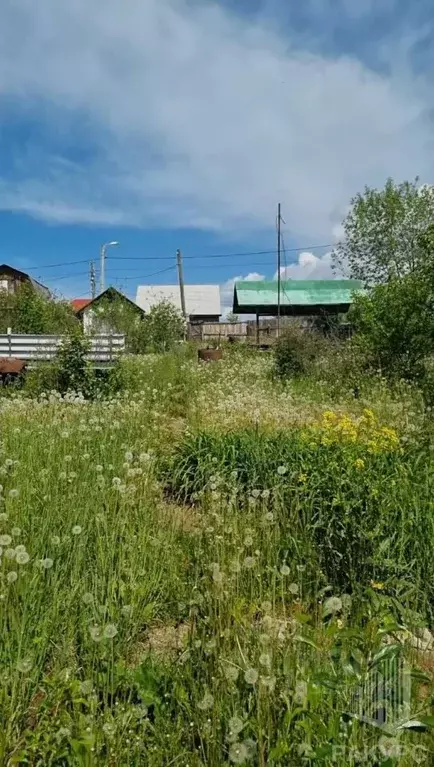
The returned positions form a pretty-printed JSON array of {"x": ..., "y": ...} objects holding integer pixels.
[
  {"x": 38, "y": 286},
  {"x": 295, "y": 295},
  {"x": 108, "y": 293},
  {"x": 200, "y": 300},
  {"x": 80, "y": 303}
]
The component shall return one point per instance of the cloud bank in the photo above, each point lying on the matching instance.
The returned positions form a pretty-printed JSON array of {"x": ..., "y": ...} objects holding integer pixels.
[{"x": 180, "y": 114}]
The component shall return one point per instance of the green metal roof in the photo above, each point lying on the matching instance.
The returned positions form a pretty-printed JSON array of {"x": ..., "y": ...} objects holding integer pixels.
[{"x": 260, "y": 295}]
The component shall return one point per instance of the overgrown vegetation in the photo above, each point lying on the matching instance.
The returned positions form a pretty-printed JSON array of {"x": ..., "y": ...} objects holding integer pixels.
[
  {"x": 227, "y": 563},
  {"x": 27, "y": 311},
  {"x": 217, "y": 597}
]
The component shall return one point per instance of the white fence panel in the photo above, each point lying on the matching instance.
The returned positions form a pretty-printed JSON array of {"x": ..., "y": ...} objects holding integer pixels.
[{"x": 40, "y": 348}]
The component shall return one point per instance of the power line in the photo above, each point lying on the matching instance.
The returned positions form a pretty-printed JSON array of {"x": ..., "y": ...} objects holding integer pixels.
[{"x": 193, "y": 257}]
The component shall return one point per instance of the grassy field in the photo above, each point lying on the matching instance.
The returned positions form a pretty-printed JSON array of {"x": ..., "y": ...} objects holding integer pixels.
[{"x": 206, "y": 569}]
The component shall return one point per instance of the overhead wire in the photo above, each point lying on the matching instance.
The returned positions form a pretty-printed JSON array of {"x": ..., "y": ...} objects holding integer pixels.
[{"x": 196, "y": 257}]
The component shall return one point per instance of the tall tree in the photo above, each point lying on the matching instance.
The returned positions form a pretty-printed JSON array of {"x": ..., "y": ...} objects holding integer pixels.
[{"x": 382, "y": 232}]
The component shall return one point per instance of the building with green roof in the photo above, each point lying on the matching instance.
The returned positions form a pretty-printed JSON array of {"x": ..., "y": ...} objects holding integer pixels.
[{"x": 298, "y": 298}]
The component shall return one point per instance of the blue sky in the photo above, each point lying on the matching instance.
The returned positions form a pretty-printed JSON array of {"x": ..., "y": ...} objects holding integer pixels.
[{"x": 170, "y": 124}]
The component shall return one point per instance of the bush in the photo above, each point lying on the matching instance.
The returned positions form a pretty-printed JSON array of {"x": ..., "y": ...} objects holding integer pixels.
[
  {"x": 74, "y": 371},
  {"x": 295, "y": 351},
  {"x": 394, "y": 325}
]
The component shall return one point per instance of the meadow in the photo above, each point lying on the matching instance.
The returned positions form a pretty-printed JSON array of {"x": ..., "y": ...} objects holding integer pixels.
[{"x": 206, "y": 567}]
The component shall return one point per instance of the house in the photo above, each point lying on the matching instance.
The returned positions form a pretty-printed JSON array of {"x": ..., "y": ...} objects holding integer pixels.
[
  {"x": 11, "y": 279},
  {"x": 91, "y": 311},
  {"x": 202, "y": 302},
  {"x": 298, "y": 298}
]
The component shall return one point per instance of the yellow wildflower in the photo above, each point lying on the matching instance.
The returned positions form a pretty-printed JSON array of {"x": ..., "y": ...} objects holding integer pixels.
[
  {"x": 368, "y": 414},
  {"x": 329, "y": 416},
  {"x": 377, "y": 585},
  {"x": 302, "y": 478},
  {"x": 359, "y": 463}
]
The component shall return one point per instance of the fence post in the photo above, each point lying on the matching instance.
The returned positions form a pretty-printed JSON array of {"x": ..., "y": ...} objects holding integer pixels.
[{"x": 10, "y": 341}]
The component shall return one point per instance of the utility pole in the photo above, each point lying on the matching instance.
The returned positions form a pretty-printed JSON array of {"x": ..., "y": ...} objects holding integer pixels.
[
  {"x": 181, "y": 282},
  {"x": 279, "y": 218},
  {"x": 102, "y": 271},
  {"x": 92, "y": 278}
]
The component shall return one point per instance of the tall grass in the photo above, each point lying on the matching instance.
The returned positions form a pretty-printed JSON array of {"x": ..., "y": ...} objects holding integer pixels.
[{"x": 171, "y": 596}]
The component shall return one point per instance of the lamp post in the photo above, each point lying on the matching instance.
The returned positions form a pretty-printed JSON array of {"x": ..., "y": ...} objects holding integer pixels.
[{"x": 103, "y": 256}]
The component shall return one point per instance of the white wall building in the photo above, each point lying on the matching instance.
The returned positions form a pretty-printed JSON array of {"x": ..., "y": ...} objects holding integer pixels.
[{"x": 202, "y": 302}]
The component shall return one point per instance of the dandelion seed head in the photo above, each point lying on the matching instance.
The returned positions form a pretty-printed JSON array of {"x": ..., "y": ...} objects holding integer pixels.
[
  {"x": 98, "y": 468},
  {"x": 10, "y": 554},
  {"x": 128, "y": 456},
  {"x": 19, "y": 548},
  {"x": 235, "y": 725},
  {"x": 87, "y": 598},
  {"x": 16, "y": 532},
  {"x": 110, "y": 631},
  {"x": 284, "y": 570},
  {"x": 248, "y": 540},
  {"x": 281, "y": 470},
  {"x": 265, "y": 660},
  {"x": 47, "y": 563},
  {"x": 14, "y": 493},
  {"x": 251, "y": 676},
  {"x": 3, "y": 517},
  {"x": 249, "y": 563},
  {"x": 12, "y": 576},
  {"x": 293, "y": 588},
  {"x": 55, "y": 540},
  {"x": 206, "y": 703},
  {"x": 231, "y": 673},
  {"x": 5, "y": 540},
  {"x": 76, "y": 530},
  {"x": 96, "y": 633},
  {"x": 25, "y": 665},
  {"x": 116, "y": 481},
  {"x": 238, "y": 753},
  {"x": 22, "y": 558}
]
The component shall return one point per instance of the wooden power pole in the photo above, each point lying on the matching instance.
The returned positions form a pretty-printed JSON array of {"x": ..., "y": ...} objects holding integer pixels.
[
  {"x": 279, "y": 218},
  {"x": 181, "y": 283}
]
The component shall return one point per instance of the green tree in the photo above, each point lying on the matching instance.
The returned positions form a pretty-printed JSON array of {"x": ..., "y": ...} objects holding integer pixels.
[
  {"x": 165, "y": 326},
  {"x": 27, "y": 311},
  {"x": 382, "y": 232},
  {"x": 394, "y": 324}
]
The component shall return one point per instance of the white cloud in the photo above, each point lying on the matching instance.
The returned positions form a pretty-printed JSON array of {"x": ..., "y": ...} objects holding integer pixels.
[
  {"x": 309, "y": 267},
  {"x": 192, "y": 116},
  {"x": 227, "y": 290}
]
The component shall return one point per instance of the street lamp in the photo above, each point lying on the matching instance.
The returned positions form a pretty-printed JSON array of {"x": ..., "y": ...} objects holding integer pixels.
[{"x": 103, "y": 254}]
